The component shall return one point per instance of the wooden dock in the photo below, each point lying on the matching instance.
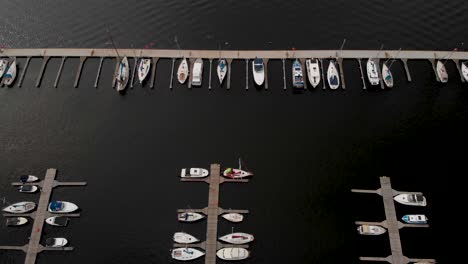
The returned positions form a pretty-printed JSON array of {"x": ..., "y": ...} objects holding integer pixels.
[
  {"x": 211, "y": 245},
  {"x": 34, "y": 247},
  {"x": 391, "y": 223}
]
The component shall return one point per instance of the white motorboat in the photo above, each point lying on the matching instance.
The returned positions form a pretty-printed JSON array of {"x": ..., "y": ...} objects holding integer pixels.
[
  {"x": 189, "y": 217},
  {"x": 56, "y": 242},
  {"x": 465, "y": 70},
  {"x": 57, "y": 220},
  {"x": 371, "y": 230},
  {"x": 236, "y": 173},
  {"x": 387, "y": 76},
  {"x": 10, "y": 74},
  {"x": 197, "y": 74},
  {"x": 442, "y": 72},
  {"x": 122, "y": 75},
  {"x": 16, "y": 221},
  {"x": 313, "y": 72},
  {"x": 20, "y": 208},
  {"x": 237, "y": 238},
  {"x": 332, "y": 76},
  {"x": 61, "y": 207},
  {"x": 258, "y": 69},
  {"x": 297, "y": 75},
  {"x": 183, "y": 71},
  {"x": 415, "y": 219},
  {"x": 372, "y": 72},
  {"x": 186, "y": 253},
  {"x": 194, "y": 173},
  {"x": 3, "y": 66},
  {"x": 233, "y": 253},
  {"x": 233, "y": 217},
  {"x": 28, "y": 178},
  {"x": 28, "y": 188},
  {"x": 411, "y": 199},
  {"x": 184, "y": 238},
  {"x": 222, "y": 70},
  {"x": 143, "y": 69}
]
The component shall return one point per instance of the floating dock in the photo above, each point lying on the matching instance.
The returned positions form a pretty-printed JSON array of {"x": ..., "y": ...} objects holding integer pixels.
[
  {"x": 392, "y": 224},
  {"x": 39, "y": 215},
  {"x": 212, "y": 212}
]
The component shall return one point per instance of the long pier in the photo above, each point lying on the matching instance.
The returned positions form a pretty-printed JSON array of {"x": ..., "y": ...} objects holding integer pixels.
[
  {"x": 211, "y": 245},
  {"x": 392, "y": 224},
  {"x": 34, "y": 247}
]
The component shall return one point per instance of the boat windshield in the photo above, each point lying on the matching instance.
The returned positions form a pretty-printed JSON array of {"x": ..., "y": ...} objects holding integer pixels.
[
  {"x": 334, "y": 80},
  {"x": 55, "y": 206}
]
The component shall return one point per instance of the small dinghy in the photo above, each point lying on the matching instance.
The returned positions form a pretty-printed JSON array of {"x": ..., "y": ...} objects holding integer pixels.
[
  {"x": 56, "y": 242},
  {"x": 20, "y": 208},
  {"x": 186, "y": 253},
  {"x": 10, "y": 74},
  {"x": 122, "y": 75},
  {"x": 237, "y": 238},
  {"x": 372, "y": 73},
  {"x": 57, "y": 220},
  {"x": 332, "y": 76},
  {"x": 258, "y": 69},
  {"x": 16, "y": 221},
  {"x": 411, "y": 199},
  {"x": 222, "y": 70},
  {"x": 3, "y": 66},
  {"x": 143, "y": 69},
  {"x": 465, "y": 70},
  {"x": 387, "y": 76},
  {"x": 28, "y": 178},
  {"x": 61, "y": 207},
  {"x": 297, "y": 75},
  {"x": 233, "y": 217},
  {"x": 442, "y": 72},
  {"x": 232, "y": 253},
  {"x": 189, "y": 217},
  {"x": 371, "y": 230},
  {"x": 415, "y": 219},
  {"x": 183, "y": 71},
  {"x": 28, "y": 189},
  {"x": 194, "y": 173},
  {"x": 313, "y": 72},
  {"x": 197, "y": 74},
  {"x": 184, "y": 238}
]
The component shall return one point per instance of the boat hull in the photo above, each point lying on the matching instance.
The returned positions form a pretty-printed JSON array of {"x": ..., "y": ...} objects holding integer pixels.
[
  {"x": 372, "y": 72},
  {"x": 185, "y": 254},
  {"x": 184, "y": 238},
  {"x": 20, "y": 208},
  {"x": 371, "y": 230},
  {"x": 67, "y": 208},
  {"x": 415, "y": 219},
  {"x": 3, "y": 67},
  {"x": 16, "y": 221},
  {"x": 222, "y": 69},
  {"x": 197, "y": 74},
  {"x": 465, "y": 71},
  {"x": 313, "y": 72},
  {"x": 28, "y": 178},
  {"x": 332, "y": 76},
  {"x": 237, "y": 238},
  {"x": 297, "y": 75},
  {"x": 258, "y": 72},
  {"x": 10, "y": 74},
  {"x": 183, "y": 71},
  {"x": 442, "y": 72},
  {"x": 122, "y": 75},
  {"x": 143, "y": 69},
  {"x": 236, "y": 173},
  {"x": 233, "y": 217},
  {"x": 232, "y": 253},
  {"x": 189, "y": 217},
  {"x": 28, "y": 189},
  {"x": 387, "y": 76},
  {"x": 194, "y": 173},
  {"x": 410, "y": 199},
  {"x": 56, "y": 242}
]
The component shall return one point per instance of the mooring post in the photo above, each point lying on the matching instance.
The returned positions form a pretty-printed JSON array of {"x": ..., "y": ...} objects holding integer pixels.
[
  {"x": 78, "y": 72},
  {"x": 20, "y": 82},
  {"x": 323, "y": 75},
  {"x": 45, "y": 59},
  {"x": 362, "y": 74},
  {"x": 135, "y": 60},
  {"x": 304, "y": 72},
  {"x": 340, "y": 64},
  {"x": 153, "y": 71},
  {"x": 98, "y": 72},
  {"x": 284, "y": 74},
  {"x": 247, "y": 74},
  {"x": 191, "y": 61},
  {"x": 457, "y": 63},
  {"x": 266, "y": 73},
  {"x": 432, "y": 61},
  {"x": 172, "y": 73},
  {"x": 405, "y": 65},
  {"x": 229, "y": 61},
  {"x": 59, "y": 73},
  {"x": 209, "y": 80}
]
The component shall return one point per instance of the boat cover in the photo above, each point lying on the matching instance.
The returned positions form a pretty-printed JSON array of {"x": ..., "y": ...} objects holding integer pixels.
[
  {"x": 26, "y": 188},
  {"x": 56, "y": 206},
  {"x": 24, "y": 178}
]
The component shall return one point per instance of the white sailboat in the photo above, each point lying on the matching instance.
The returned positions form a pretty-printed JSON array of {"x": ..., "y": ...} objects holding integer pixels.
[
  {"x": 411, "y": 199},
  {"x": 10, "y": 74},
  {"x": 465, "y": 70},
  {"x": 194, "y": 173},
  {"x": 222, "y": 70},
  {"x": 20, "y": 208},
  {"x": 189, "y": 217},
  {"x": 371, "y": 230},
  {"x": 233, "y": 253},
  {"x": 372, "y": 72},
  {"x": 313, "y": 72},
  {"x": 28, "y": 178},
  {"x": 184, "y": 238},
  {"x": 233, "y": 217},
  {"x": 197, "y": 74},
  {"x": 387, "y": 76},
  {"x": 3, "y": 66},
  {"x": 143, "y": 69},
  {"x": 237, "y": 238},
  {"x": 122, "y": 75},
  {"x": 258, "y": 70},
  {"x": 183, "y": 71},
  {"x": 186, "y": 253},
  {"x": 442, "y": 72},
  {"x": 332, "y": 76}
]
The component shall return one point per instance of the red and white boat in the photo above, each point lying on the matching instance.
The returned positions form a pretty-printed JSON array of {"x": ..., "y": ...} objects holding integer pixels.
[
  {"x": 236, "y": 173},
  {"x": 237, "y": 238}
]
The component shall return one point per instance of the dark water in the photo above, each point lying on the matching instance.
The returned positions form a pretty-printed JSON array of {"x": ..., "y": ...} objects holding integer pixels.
[{"x": 307, "y": 150}]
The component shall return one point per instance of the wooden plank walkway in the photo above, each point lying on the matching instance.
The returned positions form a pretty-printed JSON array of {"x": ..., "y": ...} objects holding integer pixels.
[{"x": 391, "y": 223}]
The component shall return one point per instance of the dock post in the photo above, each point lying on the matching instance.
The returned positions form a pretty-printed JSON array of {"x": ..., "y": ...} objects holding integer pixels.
[
  {"x": 20, "y": 82},
  {"x": 405, "y": 64},
  {"x": 191, "y": 61},
  {"x": 172, "y": 72},
  {"x": 229, "y": 61},
  {"x": 209, "y": 81},
  {"x": 362, "y": 74},
  {"x": 59, "y": 73},
  {"x": 153, "y": 71},
  {"x": 457, "y": 63},
  {"x": 78, "y": 72},
  {"x": 115, "y": 72},
  {"x": 266, "y": 73},
  {"x": 434, "y": 68},
  {"x": 284, "y": 74},
  {"x": 304, "y": 72},
  {"x": 340, "y": 64},
  {"x": 45, "y": 59},
  {"x": 379, "y": 72},
  {"x": 98, "y": 72},
  {"x": 247, "y": 74},
  {"x": 323, "y": 75},
  {"x": 135, "y": 60}
]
